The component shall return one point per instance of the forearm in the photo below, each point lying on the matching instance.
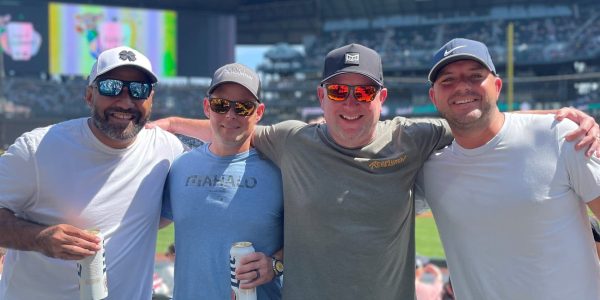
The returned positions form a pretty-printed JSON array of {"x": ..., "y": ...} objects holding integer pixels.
[
  {"x": 196, "y": 128},
  {"x": 17, "y": 233},
  {"x": 594, "y": 206},
  {"x": 278, "y": 254}
]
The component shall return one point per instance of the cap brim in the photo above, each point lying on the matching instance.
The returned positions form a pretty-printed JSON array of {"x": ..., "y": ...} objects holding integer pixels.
[
  {"x": 153, "y": 78},
  {"x": 450, "y": 59},
  {"x": 353, "y": 72}
]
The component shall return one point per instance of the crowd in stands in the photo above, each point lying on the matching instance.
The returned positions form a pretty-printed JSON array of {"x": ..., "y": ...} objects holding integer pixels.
[
  {"x": 64, "y": 97},
  {"x": 536, "y": 39}
]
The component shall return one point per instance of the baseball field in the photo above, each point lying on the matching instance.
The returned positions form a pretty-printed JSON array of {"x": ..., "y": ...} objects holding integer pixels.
[{"x": 426, "y": 236}]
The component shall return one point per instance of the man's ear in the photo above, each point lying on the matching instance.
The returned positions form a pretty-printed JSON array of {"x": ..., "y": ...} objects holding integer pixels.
[
  {"x": 88, "y": 95},
  {"x": 432, "y": 96},
  {"x": 383, "y": 95},
  {"x": 321, "y": 94},
  {"x": 498, "y": 84},
  {"x": 260, "y": 110},
  {"x": 206, "y": 106}
]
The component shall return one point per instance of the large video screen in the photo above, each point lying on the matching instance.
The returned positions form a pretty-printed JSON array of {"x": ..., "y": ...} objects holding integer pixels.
[
  {"x": 78, "y": 33},
  {"x": 23, "y": 39}
]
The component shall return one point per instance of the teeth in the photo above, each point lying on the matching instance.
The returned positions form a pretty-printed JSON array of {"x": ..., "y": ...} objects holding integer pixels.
[
  {"x": 120, "y": 115},
  {"x": 350, "y": 117},
  {"x": 464, "y": 101}
]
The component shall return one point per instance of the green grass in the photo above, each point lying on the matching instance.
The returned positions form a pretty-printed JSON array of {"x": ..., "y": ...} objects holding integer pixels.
[
  {"x": 166, "y": 236},
  {"x": 426, "y": 236}
]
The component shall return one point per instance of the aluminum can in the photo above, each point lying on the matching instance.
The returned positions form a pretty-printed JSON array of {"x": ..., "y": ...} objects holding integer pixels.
[
  {"x": 93, "y": 283},
  {"x": 238, "y": 250}
]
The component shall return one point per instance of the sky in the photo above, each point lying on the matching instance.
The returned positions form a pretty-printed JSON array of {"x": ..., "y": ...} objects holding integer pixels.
[
  {"x": 253, "y": 55},
  {"x": 250, "y": 56}
]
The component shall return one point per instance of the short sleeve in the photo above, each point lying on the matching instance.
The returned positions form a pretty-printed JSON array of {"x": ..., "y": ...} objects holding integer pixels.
[
  {"x": 271, "y": 140},
  {"x": 584, "y": 172},
  {"x": 18, "y": 179}
]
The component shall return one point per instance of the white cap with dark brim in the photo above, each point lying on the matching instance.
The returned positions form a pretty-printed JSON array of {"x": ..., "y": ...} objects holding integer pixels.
[{"x": 121, "y": 56}]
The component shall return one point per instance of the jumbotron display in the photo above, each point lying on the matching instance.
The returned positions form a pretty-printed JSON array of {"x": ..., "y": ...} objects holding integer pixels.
[{"x": 78, "y": 33}]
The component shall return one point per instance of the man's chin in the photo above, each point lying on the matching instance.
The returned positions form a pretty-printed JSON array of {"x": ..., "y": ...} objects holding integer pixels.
[{"x": 122, "y": 133}]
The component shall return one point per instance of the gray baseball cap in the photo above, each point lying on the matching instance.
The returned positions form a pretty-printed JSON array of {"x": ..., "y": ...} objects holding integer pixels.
[
  {"x": 460, "y": 49},
  {"x": 118, "y": 57},
  {"x": 353, "y": 58},
  {"x": 236, "y": 73}
]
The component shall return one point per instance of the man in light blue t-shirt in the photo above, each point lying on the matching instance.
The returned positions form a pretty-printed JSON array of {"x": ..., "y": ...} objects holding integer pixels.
[{"x": 225, "y": 192}]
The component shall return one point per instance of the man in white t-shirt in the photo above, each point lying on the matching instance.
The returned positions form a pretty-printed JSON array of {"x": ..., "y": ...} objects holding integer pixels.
[
  {"x": 104, "y": 172},
  {"x": 510, "y": 194}
]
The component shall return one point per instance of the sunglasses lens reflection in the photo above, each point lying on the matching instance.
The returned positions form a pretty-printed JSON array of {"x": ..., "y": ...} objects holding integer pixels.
[
  {"x": 362, "y": 93},
  {"x": 222, "y": 106},
  {"x": 365, "y": 93},
  {"x": 337, "y": 92},
  {"x": 113, "y": 87}
]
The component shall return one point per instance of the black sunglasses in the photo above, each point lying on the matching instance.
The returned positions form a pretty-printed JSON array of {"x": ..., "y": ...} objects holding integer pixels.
[
  {"x": 113, "y": 87},
  {"x": 241, "y": 108}
]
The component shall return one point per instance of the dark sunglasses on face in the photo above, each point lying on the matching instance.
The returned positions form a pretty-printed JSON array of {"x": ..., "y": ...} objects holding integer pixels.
[
  {"x": 340, "y": 92},
  {"x": 241, "y": 108},
  {"x": 113, "y": 87}
]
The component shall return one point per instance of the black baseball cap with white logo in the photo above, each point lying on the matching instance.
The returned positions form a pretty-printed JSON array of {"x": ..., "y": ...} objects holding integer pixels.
[
  {"x": 460, "y": 49},
  {"x": 353, "y": 58}
]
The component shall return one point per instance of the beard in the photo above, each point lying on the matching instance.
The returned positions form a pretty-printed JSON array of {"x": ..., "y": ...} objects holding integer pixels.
[{"x": 118, "y": 131}]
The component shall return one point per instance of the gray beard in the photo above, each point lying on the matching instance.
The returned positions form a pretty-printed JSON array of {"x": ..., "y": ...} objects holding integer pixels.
[{"x": 117, "y": 132}]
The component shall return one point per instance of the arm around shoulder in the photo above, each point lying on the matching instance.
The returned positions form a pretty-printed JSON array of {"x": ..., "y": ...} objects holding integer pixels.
[{"x": 195, "y": 128}]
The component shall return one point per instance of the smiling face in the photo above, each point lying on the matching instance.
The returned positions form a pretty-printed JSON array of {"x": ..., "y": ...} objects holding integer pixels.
[
  {"x": 232, "y": 132},
  {"x": 117, "y": 120},
  {"x": 465, "y": 93},
  {"x": 351, "y": 123}
]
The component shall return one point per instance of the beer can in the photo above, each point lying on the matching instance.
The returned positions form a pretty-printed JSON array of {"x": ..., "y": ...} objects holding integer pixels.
[
  {"x": 238, "y": 250},
  {"x": 92, "y": 273}
]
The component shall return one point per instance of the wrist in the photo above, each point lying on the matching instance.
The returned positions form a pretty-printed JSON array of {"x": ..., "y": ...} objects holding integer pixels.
[{"x": 277, "y": 266}]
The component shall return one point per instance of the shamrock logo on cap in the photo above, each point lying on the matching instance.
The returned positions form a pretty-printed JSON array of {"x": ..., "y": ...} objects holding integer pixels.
[{"x": 127, "y": 55}]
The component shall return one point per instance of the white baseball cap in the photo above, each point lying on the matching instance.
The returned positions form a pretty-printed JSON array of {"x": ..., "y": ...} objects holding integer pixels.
[{"x": 121, "y": 56}]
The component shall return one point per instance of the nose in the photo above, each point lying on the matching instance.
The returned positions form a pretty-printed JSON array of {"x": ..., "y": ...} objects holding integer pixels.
[
  {"x": 464, "y": 84},
  {"x": 351, "y": 100},
  {"x": 231, "y": 113},
  {"x": 123, "y": 99}
]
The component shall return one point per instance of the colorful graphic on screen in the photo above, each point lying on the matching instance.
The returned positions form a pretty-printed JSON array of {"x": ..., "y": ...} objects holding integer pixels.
[
  {"x": 78, "y": 33},
  {"x": 19, "y": 40}
]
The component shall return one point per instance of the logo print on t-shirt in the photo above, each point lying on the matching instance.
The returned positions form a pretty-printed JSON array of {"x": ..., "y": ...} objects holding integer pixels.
[{"x": 378, "y": 164}]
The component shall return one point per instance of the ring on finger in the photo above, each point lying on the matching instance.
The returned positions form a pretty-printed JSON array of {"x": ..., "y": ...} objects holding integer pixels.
[{"x": 257, "y": 274}]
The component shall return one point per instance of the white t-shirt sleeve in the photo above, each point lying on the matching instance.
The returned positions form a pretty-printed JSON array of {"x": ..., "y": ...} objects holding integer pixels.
[
  {"x": 584, "y": 173},
  {"x": 18, "y": 180}
]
